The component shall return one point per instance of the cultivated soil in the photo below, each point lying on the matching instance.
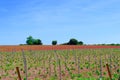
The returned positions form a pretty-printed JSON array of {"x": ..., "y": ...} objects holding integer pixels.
[{"x": 49, "y": 47}]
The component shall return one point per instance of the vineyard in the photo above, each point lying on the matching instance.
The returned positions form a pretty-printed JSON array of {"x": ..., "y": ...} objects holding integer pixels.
[{"x": 74, "y": 64}]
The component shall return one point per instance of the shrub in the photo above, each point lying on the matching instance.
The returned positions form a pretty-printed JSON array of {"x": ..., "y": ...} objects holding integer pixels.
[
  {"x": 32, "y": 41},
  {"x": 54, "y": 42},
  {"x": 80, "y": 43},
  {"x": 73, "y": 41}
]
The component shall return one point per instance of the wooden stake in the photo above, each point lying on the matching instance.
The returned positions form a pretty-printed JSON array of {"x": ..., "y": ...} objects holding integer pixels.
[
  {"x": 17, "y": 69},
  {"x": 109, "y": 73},
  {"x": 59, "y": 69}
]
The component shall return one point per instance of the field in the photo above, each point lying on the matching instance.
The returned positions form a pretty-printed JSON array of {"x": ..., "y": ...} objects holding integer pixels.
[
  {"x": 49, "y": 47},
  {"x": 59, "y": 62}
]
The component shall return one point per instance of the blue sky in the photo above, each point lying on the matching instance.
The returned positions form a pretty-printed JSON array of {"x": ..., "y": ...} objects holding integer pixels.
[{"x": 90, "y": 21}]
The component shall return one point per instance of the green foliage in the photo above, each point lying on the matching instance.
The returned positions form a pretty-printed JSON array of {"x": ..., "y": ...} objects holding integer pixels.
[
  {"x": 73, "y": 76},
  {"x": 53, "y": 78},
  {"x": 25, "y": 79},
  {"x": 80, "y": 43},
  {"x": 37, "y": 42},
  {"x": 32, "y": 41},
  {"x": 118, "y": 70},
  {"x": 54, "y": 42},
  {"x": 38, "y": 62},
  {"x": 116, "y": 75},
  {"x": 73, "y": 41},
  {"x": 97, "y": 72},
  {"x": 119, "y": 78},
  {"x": 36, "y": 79},
  {"x": 91, "y": 78},
  {"x": 112, "y": 44}
]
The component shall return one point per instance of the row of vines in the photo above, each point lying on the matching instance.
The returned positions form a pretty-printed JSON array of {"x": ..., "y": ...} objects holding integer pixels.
[{"x": 84, "y": 64}]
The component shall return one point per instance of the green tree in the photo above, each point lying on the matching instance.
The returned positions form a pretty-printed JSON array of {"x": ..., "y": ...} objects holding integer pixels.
[
  {"x": 37, "y": 42},
  {"x": 54, "y": 42},
  {"x": 30, "y": 40},
  {"x": 80, "y": 43},
  {"x": 73, "y": 41}
]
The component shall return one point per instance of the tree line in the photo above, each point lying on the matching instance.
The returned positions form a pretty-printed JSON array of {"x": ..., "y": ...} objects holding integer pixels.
[{"x": 31, "y": 41}]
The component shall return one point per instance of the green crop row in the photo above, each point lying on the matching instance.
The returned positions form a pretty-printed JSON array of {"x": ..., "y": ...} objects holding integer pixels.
[{"x": 84, "y": 64}]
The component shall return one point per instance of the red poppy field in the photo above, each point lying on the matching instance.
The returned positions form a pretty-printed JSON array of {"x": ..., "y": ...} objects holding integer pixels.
[{"x": 60, "y": 62}]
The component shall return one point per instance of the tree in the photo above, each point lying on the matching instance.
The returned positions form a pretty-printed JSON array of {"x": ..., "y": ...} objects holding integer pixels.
[
  {"x": 80, "y": 43},
  {"x": 73, "y": 41},
  {"x": 54, "y": 42},
  {"x": 37, "y": 42},
  {"x": 30, "y": 40}
]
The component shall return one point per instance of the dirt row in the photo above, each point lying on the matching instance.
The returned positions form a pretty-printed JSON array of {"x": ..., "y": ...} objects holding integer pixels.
[{"x": 49, "y": 47}]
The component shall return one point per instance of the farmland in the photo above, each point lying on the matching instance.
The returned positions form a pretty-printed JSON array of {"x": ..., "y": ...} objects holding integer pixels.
[
  {"x": 59, "y": 62},
  {"x": 49, "y": 47}
]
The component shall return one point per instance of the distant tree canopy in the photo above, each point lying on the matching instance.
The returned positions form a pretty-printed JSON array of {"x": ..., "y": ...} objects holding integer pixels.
[
  {"x": 74, "y": 41},
  {"x": 80, "y": 43},
  {"x": 54, "y": 42},
  {"x": 31, "y": 41},
  {"x": 112, "y": 44}
]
